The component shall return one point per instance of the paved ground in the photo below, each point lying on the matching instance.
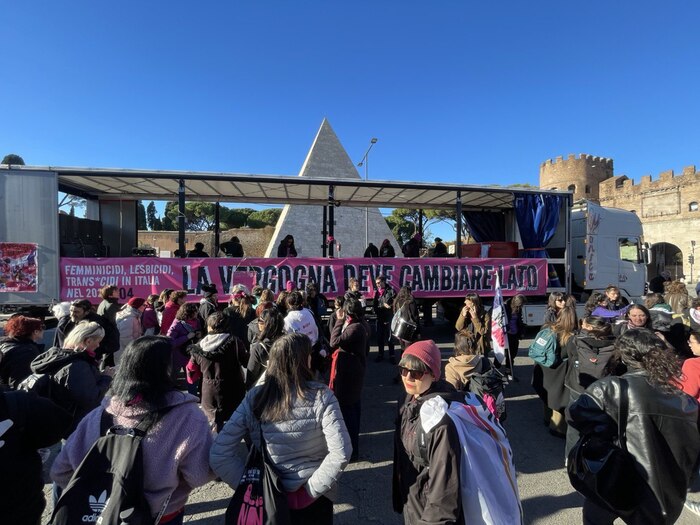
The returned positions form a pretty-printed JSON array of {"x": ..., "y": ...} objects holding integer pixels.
[{"x": 365, "y": 495}]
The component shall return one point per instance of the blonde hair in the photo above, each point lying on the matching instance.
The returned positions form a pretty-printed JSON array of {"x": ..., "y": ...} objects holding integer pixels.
[{"x": 83, "y": 331}]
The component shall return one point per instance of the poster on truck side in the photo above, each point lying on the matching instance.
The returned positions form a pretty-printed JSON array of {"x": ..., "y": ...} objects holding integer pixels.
[
  {"x": 18, "y": 267},
  {"x": 82, "y": 278}
]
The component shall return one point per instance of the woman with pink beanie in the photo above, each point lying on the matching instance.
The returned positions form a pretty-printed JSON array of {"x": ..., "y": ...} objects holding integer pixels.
[{"x": 426, "y": 479}]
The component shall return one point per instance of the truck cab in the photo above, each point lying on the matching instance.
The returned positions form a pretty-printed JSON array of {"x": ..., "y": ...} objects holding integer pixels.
[{"x": 607, "y": 249}]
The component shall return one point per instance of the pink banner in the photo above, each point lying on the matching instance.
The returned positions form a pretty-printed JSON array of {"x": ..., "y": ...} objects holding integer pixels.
[
  {"x": 82, "y": 278},
  {"x": 18, "y": 267}
]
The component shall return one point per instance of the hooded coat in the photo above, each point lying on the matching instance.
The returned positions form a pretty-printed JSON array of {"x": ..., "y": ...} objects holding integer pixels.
[
  {"x": 588, "y": 360},
  {"x": 175, "y": 449},
  {"x": 220, "y": 358},
  {"x": 460, "y": 369},
  {"x": 77, "y": 372},
  {"x": 16, "y": 356}
]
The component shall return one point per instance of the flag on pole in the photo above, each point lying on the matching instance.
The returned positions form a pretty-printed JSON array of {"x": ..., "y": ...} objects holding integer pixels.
[{"x": 499, "y": 323}]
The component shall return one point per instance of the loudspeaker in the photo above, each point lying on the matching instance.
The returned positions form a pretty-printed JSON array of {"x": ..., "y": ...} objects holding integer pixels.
[{"x": 143, "y": 252}]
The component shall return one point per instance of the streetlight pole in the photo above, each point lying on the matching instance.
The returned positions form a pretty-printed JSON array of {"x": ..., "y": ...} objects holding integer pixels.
[
  {"x": 692, "y": 260},
  {"x": 365, "y": 162}
]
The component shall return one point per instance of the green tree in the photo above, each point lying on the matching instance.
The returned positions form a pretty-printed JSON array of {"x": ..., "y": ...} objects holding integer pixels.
[
  {"x": 400, "y": 227},
  {"x": 141, "y": 216},
  {"x": 404, "y": 222},
  {"x": 262, "y": 218},
  {"x": 152, "y": 219},
  {"x": 234, "y": 217},
  {"x": 199, "y": 216},
  {"x": 170, "y": 216},
  {"x": 13, "y": 158}
]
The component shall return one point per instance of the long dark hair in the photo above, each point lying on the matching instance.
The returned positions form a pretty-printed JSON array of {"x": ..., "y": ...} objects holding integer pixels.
[
  {"x": 403, "y": 297},
  {"x": 286, "y": 379},
  {"x": 144, "y": 370},
  {"x": 273, "y": 324},
  {"x": 478, "y": 304},
  {"x": 642, "y": 349},
  {"x": 553, "y": 298}
]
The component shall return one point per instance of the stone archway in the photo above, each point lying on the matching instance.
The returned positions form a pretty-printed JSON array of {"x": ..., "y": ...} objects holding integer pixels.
[{"x": 665, "y": 256}]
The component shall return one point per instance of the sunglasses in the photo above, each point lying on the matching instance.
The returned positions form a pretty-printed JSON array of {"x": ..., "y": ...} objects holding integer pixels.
[{"x": 416, "y": 375}]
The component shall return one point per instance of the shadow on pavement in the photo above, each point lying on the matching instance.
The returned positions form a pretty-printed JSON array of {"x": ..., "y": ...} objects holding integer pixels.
[{"x": 541, "y": 507}]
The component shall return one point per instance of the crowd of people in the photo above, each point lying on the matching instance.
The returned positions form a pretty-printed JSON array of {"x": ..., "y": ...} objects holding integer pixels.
[{"x": 214, "y": 381}]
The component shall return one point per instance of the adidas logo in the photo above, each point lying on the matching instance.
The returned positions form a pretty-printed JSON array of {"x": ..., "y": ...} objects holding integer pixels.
[{"x": 97, "y": 505}]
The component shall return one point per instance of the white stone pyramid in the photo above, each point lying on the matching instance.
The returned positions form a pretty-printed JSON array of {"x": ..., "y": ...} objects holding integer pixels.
[{"x": 328, "y": 158}]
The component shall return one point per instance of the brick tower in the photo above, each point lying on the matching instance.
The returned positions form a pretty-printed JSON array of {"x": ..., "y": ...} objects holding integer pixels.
[{"x": 580, "y": 174}]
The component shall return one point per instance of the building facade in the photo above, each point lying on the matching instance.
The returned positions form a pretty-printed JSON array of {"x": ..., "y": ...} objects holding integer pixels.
[{"x": 668, "y": 207}]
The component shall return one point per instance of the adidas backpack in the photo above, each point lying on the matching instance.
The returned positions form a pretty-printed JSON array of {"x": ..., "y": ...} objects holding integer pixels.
[
  {"x": 543, "y": 349},
  {"x": 107, "y": 486}
]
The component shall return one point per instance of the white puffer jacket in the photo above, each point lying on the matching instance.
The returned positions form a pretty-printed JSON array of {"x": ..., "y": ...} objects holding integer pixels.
[
  {"x": 312, "y": 447},
  {"x": 129, "y": 326}
]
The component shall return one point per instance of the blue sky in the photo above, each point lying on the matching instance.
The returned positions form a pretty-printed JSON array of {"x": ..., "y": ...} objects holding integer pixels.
[{"x": 455, "y": 91}]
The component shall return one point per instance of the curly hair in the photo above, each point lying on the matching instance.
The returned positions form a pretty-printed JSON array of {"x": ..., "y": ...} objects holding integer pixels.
[
  {"x": 642, "y": 349},
  {"x": 187, "y": 311},
  {"x": 677, "y": 297}
]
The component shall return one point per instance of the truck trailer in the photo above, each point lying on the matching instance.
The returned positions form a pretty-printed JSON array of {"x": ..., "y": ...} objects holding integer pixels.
[{"x": 535, "y": 241}]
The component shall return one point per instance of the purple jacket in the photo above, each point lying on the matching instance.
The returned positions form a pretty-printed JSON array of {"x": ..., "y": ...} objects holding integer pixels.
[
  {"x": 149, "y": 319},
  {"x": 179, "y": 332}
]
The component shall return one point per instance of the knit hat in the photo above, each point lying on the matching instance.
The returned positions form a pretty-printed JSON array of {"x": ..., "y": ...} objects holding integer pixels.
[
  {"x": 429, "y": 353},
  {"x": 209, "y": 289},
  {"x": 136, "y": 302}
]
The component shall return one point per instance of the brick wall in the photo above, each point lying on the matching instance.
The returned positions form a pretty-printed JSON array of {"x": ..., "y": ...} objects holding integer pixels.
[{"x": 254, "y": 240}]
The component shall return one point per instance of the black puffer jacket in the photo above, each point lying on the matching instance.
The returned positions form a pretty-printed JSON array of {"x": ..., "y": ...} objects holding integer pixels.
[
  {"x": 16, "y": 356},
  {"x": 220, "y": 358},
  {"x": 661, "y": 434},
  {"x": 427, "y": 493},
  {"x": 77, "y": 372}
]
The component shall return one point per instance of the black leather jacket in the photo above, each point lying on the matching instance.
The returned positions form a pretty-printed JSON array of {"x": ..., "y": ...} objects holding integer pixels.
[{"x": 661, "y": 434}]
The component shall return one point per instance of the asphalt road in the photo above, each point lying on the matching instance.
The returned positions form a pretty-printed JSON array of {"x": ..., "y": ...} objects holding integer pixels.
[{"x": 365, "y": 494}]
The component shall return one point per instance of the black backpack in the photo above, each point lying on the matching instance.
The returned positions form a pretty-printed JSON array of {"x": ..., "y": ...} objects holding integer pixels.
[
  {"x": 591, "y": 362},
  {"x": 107, "y": 486},
  {"x": 45, "y": 385},
  {"x": 490, "y": 386}
]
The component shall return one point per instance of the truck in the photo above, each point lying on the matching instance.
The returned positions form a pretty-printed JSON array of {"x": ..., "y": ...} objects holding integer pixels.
[{"x": 530, "y": 241}]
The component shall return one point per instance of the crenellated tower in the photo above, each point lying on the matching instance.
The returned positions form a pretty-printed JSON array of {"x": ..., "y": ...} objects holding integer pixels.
[{"x": 581, "y": 174}]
